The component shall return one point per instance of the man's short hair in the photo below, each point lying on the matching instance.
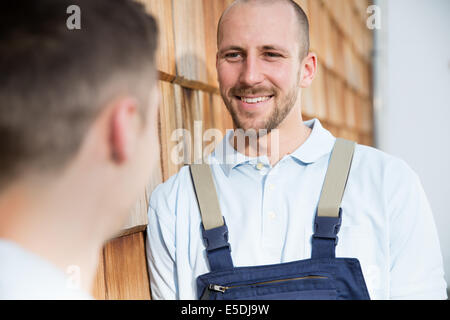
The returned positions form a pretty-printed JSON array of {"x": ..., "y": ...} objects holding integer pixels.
[
  {"x": 54, "y": 80},
  {"x": 302, "y": 20}
]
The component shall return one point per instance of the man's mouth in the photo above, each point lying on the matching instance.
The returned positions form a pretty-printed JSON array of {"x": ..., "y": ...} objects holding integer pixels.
[{"x": 254, "y": 100}]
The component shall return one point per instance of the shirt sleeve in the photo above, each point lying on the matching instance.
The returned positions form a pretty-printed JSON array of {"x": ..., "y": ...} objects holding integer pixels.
[
  {"x": 161, "y": 254},
  {"x": 416, "y": 267}
]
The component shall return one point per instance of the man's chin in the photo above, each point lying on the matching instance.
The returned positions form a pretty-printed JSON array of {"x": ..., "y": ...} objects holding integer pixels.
[
  {"x": 258, "y": 129},
  {"x": 250, "y": 122}
]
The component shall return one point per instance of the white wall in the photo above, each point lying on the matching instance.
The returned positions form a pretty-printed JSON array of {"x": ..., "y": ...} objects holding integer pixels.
[{"x": 412, "y": 91}]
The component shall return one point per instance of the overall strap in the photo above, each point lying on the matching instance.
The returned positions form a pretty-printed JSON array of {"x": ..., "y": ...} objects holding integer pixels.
[
  {"x": 329, "y": 213},
  {"x": 214, "y": 228}
]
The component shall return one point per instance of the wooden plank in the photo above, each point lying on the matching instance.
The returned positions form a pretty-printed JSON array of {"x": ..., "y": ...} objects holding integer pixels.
[
  {"x": 216, "y": 119},
  {"x": 358, "y": 111},
  {"x": 315, "y": 9},
  {"x": 307, "y": 103},
  {"x": 366, "y": 116},
  {"x": 207, "y": 116},
  {"x": 162, "y": 11},
  {"x": 192, "y": 107},
  {"x": 335, "y": 101},
  {"x": 99, "y": 286},
  {"x": 360, "y": 9},
  {"x": 168, "y": 118},
  {"x": 349, "y": 62},
  {"x": 126, "y": 268},
  {"x": 366, "y": 139},
  {"x": 358, "y": 32},
  {"x": 349, "y": 103},
  {"x": 368, "y": 44},
  {"x": 190, "y": 84},
  {"x": 187, "y": 122},
  {"x": 326, "y": 40},
  {"x": 334, "y": 129},
  {"x": 138, "y": 219},
  {"x": 345, "y": 18},
  {"x": 338, "y": 51},
  {"x": 212, "y": 12},
  {"x": 319, "y": 93},
  {"x": 153, "y": 182},
  {"x": 190, "y": 39},
  {"x": 349, "y": 134},
  {"x": 221, "y": 117}
]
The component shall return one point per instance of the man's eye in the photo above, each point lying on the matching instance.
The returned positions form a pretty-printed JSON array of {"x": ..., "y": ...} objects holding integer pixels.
[
  {"x": 272, "y": 55},
  {"x": 232, "y": 55}
]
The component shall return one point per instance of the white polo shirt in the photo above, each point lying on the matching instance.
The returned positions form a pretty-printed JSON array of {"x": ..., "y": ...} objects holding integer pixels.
[
  {"x": 26, "y": 276},
  {"x": 387, "y": 222}
]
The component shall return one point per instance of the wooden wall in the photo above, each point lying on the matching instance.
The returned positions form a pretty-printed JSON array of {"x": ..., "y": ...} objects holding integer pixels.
[
  {"x": 341, "y": 94},
  {"x": 340, "y": 97}
]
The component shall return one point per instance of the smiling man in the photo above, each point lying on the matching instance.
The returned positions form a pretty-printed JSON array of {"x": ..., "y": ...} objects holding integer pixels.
[{"x": 269, "y": 199}]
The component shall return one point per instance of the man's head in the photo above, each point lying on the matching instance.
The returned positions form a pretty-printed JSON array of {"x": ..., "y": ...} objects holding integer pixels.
[
  {"x": 263, "y": 59},
  {"x": 85, "y": 95}
]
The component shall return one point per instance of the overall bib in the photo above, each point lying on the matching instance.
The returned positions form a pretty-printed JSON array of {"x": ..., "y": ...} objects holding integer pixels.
[{"x": 322, "y": 277}]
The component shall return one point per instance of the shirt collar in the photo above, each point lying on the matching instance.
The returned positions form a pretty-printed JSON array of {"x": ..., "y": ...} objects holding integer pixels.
[
  {"x": 319, "y": 143},
  {"x": 227, "y": 157}
]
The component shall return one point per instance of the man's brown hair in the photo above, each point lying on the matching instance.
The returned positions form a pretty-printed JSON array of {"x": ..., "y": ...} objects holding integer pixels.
[{"x": 54, "y": 80}]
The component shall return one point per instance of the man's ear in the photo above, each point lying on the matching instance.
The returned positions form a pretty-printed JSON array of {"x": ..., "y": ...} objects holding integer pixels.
[
  {"x": 123, "y": 129},
  {"x": 308, "y": 70}
]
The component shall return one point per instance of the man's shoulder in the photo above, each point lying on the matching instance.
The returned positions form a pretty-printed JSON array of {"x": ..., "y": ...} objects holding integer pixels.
[
  {"x": 376, "y": 162},
  {"x": 45, "y": 281},
  {"x": 376, "y": 156}
]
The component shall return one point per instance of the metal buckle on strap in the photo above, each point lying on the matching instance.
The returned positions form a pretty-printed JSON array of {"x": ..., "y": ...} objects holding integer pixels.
[
  {"x": 327, "y": 227},
  {"x": 216, "y": 238}
]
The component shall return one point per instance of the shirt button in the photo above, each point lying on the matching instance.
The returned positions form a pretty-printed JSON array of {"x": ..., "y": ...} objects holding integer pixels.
[
  {"x": 272, "y": 215},
  {"x": 271, "y": 186},
  {"x": 259, "y": 166}
]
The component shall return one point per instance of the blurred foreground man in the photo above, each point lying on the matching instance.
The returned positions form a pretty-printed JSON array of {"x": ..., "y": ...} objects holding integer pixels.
[
  {"x": 269, "y": 198},
  {"x": 78, "y": 138}
]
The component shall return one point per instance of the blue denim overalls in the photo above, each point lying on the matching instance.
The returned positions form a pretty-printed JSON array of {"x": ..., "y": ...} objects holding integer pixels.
[{"x": 322, "y": 277}]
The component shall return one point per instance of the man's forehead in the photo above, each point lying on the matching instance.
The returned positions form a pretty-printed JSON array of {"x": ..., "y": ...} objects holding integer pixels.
[{"x": 256, "y": 19}]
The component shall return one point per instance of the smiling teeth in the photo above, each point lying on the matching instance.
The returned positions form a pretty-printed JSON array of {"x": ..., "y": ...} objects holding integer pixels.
[{"x": 254, "y": 100}]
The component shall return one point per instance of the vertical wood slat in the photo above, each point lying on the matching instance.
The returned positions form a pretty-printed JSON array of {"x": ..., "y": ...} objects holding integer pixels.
[
  {"x": 212, "y": 134},
  {"x": 162, "y": 11},
  {"x": 335, "y": 101},
  {"x": 222, "y": 118},
  {"x": 137, "y": 220},
  {"x": 319, "y": 93},
  {"x": 212, "y": 11},
  {"x": 307, "y": 103},
  {"x": 99, "y": 285},
  {"x": 125, "y": 268},
  {"x": 315, "y": 13},
  {"x": 168, "y": 118},
  {"x": 326, "y": 40},
  {"x": 190, "y": 39}
]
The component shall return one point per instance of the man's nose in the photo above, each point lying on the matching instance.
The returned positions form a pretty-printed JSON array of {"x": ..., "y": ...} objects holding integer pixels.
[{"x": 251, "y": 73}]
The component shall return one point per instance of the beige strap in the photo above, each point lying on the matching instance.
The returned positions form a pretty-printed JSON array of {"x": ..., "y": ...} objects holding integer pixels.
[
  {"x": 336, "y": 178},
  {"x": 330, "y": 199},
  {"x": 206, "y": 196}
]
